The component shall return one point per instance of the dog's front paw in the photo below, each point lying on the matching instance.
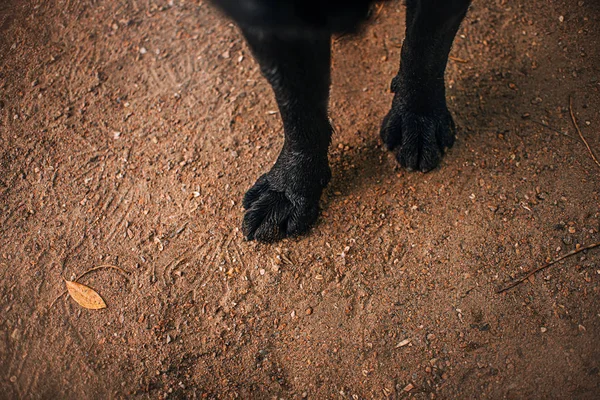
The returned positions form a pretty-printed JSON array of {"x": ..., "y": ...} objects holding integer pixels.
[
  {"x": 418, "y": 139},
  {"x": 272, "y": 215}
]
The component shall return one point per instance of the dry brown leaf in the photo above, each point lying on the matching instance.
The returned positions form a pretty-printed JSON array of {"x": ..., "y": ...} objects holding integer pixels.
[{"x": 85, "y": 296}]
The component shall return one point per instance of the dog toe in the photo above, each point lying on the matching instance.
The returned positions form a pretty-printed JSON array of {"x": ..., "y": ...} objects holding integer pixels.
[{"x": 418, "y": 139}]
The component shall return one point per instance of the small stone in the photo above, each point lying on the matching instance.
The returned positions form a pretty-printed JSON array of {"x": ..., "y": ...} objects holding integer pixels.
[
  {"x": 169, "y": 339},
  {"x": 261, "y": 271},
  {"x": 13, "y": 379},
  {"x": 543, "y": 329},
  {"x": 143, "y": 50},
  {"x": 309, "y": 311},
  {"x": 408, "y": 387}
]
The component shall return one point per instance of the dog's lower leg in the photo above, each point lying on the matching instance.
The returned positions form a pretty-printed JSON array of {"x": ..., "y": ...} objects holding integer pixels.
[
  {"x": 419, "y": 127},
  {"x": 285, "y": 201}
]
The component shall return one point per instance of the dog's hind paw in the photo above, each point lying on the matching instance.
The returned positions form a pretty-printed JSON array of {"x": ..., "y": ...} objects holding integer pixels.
[
  {"x": 418, "y": 139},
  {"x": 272, "y": 215}
]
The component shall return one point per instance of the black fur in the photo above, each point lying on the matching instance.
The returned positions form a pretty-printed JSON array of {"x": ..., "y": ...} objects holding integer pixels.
[
  {"x": 297, "y": 17},
  {"x": 290, "y": 39}
]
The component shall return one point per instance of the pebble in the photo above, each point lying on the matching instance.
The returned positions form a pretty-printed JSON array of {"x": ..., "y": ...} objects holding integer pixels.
[
  {"x": 543, "y": 329},
  {"x": 408, "y": 387},
  {"x": 169, "y": 339},
  {"x": 309, "y": 311}
]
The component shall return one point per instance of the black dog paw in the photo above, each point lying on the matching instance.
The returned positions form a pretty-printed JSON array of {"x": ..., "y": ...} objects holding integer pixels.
[
  {"x": 272, "y": 215},
  {"x": 418, "y": 139}
]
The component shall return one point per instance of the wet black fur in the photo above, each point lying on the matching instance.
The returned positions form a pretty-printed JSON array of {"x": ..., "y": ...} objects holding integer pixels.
[{"x": 291, "y": 39}]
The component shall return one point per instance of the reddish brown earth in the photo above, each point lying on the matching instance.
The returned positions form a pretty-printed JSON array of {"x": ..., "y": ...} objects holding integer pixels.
[{"x": 129, "y": 131}]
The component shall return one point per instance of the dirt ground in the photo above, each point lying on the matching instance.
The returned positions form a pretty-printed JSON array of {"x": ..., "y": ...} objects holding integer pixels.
[{"x": 129, "y": 131}]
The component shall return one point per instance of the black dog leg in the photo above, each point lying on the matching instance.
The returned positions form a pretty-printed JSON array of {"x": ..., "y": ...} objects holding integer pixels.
[
  {"x": 285, "y": 201},
  {"x": 419, "y": 127}
]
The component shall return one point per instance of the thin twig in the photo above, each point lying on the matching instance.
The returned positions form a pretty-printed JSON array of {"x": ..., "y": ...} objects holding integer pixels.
[
  {"x": 531, "y": 273},
  {"x": 579, "y": 131},
  {"x": 106, "y": 266},
  {"x": 340, "y": 37},
  {"x": 550, "y": 127},
  {"x": 378, "y": 11},
  {"x": 459, "y": 60}
]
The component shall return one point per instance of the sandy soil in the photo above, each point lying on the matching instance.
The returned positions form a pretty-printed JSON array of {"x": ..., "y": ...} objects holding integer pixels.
[{"x": 129, "y": 131}]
